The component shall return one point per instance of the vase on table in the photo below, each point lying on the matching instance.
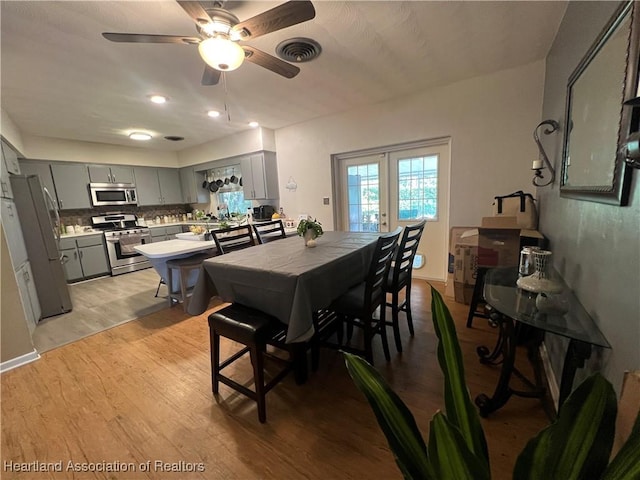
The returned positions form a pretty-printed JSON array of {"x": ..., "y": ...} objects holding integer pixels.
[
  {"x": 542, "y": 279},
  {"x": 310, "y": 238}
]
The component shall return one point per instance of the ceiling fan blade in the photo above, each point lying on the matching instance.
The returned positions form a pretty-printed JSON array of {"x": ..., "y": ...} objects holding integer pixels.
[
  {"x": 211, "y": 76},
  {"x": 282, "y": 16},
  {"x": 149, "y": 38},
  {"x": 270, "y": 62},
  {"x": 196, "y": 11}
]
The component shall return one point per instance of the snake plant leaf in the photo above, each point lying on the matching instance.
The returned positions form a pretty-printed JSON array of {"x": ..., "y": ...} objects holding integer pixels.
[
  {"x": 449, "y": 453},
  {"x": 626, "y": 464},
  {"x": 460, "y": 410},
  {"x": 578, "y": 444},
  {"x": 395, "y": 419}
]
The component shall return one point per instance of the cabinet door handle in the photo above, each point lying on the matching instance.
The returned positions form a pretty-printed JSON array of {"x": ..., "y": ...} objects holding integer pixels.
[
  {"x": 75, "y": 254},
  {"x": 61, "y": 204},
  {"x": 80, "y": 254},
  {"x": 114, "y": 178},
  {"x": 26, "y": 276}
]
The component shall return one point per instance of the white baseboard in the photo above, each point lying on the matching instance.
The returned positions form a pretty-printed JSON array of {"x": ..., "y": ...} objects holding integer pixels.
[
  {"x": 19, "y": 361},
  {"x": 554, "y": 390}
]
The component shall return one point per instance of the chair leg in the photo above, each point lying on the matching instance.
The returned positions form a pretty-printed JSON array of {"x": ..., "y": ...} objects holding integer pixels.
[
  {"x": 158, "y": 289},
  {"x": 257, "y": 360},
  {"x": 383, "y": 333},
  {"x": 395, "y": 321},
  {"x": 215, "y": 360},
  {"x": 368, "y": 341},
  {"x": 407, "y": 306}
]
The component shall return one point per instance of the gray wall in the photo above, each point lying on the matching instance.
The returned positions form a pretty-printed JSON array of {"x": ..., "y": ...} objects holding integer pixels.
[{"x": 596, "y": 246}]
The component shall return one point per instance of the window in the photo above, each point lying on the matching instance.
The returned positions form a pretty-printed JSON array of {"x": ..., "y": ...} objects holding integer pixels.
[
  {"x": 233, "y": 198},
  {"x": 363, "y": 185},
  {"x": 418, "y": 188}
]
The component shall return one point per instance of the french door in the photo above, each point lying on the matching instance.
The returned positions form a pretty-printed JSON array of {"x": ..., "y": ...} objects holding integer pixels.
[{"x": 382, "y": 189}]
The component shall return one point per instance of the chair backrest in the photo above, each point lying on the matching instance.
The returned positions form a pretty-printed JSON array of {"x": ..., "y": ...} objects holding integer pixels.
[
  {"x": 376, "y": 278},
  {"x": 234, "y": 238},
  {"x": 268, "y": 231},
  {"x": 403, "y": 261}
]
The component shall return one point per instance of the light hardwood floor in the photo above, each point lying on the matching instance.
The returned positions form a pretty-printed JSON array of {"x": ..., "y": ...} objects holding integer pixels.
[{"x": 141, "y": 392}]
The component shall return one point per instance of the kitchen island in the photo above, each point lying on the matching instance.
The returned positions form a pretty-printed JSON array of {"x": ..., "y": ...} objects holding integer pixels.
[{"x": 159, "y": 253}]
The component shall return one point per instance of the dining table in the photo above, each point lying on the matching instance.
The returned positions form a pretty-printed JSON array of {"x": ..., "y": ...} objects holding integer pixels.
[{"x": 288, "y": 280}]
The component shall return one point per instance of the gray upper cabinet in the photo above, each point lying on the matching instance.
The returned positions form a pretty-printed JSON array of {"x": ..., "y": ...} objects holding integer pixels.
[
  {"x": 42, "y": 170},
  {"x": 192, "y": 191},
  {"x": 259, "y": 176},
  {"x": 10, "y": 159},
  {"x": 158, "y": 186},
  {"x": 72, "y": 185},
  {"x": 170, "y": 188},
  {"x": 110, "y": 174}
]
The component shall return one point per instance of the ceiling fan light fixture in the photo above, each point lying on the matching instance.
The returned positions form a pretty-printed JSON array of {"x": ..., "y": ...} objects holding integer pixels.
[
  {"x": 142, "y": 136},
  {"x": 253, "y": 124},
  {"x": 159, "y": 99},
  {"x": 221, "y": 53}
]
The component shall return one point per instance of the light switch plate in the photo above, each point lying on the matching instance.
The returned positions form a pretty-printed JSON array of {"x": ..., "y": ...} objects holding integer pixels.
[{"x": 325, "y": 200}]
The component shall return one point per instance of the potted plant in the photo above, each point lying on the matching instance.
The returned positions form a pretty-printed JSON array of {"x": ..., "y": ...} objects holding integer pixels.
[
  {"x": 576, "y": 446},
  {"x": 310, "y": 230}
]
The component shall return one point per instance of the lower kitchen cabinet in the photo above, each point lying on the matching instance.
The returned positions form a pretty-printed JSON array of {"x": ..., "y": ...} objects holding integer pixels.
[
  {"x": 84, "y": 257},
  {"x": 160, "y": 234}
]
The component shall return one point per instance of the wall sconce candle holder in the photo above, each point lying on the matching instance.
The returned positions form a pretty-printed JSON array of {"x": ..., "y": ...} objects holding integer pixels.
[{"x": 539, "y": 165}]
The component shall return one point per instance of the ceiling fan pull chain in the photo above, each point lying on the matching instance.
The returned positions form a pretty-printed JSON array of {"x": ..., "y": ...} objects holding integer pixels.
[{"x": 226, "y": 97}]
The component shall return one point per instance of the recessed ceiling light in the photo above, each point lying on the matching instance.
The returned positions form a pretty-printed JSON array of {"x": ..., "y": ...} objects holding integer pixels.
[
  {"x": 139, "y": 136},
  {"x": 253, "y": 124},
  {"x": 213, "y": 113},
  {"x": 158, "y": 98}
]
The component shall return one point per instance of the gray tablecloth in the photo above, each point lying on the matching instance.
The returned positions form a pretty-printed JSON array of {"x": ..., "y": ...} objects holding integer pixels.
[{"x": 286, "y": 279}]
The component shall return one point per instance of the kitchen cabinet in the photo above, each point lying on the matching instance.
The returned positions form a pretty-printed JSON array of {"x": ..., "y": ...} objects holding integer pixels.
[
  {"x": 191, "y": 182},
  {"x": 5, "y": 184},
  {"x": 72, "y": 185},
  {"x": 259, "y": 176},
  {"x": 158, "y": 186},
  {"x": 42, "y": 170},
  {"x": 28, "y": 296},
  {"x": 13, "y": 233},
  {"x": 10, "y": 158},
  {"x": 84, "y": 257},
  {"x": 110, "y": 174},
  {"x": 160, "y": 234}
]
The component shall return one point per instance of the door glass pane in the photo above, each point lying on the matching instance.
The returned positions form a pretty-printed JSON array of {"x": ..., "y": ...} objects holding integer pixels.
[
  {"x": 363, "y": 196},
  {"x": 418, "y": 188}
]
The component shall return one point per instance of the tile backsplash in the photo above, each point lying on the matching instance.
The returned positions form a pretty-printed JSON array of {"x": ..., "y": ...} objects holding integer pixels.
[{"x": 82, "y": 217}]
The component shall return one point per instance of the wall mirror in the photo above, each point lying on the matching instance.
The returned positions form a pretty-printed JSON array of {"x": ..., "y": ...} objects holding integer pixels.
[{"x": 596, "y": 121}]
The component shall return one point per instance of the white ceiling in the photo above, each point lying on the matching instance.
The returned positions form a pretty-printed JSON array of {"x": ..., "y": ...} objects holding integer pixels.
[{"x": 61, "y": 78}]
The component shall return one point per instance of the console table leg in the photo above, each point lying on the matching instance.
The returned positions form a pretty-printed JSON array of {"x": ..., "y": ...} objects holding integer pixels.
[
  {"x": 577, "y": 353},
  {"x": 508, "y": 351}
]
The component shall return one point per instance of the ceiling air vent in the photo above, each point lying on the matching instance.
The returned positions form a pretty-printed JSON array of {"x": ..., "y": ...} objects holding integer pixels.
[
  {"x": 174, "y": 138},
  {"x": 298, "y": 50}
]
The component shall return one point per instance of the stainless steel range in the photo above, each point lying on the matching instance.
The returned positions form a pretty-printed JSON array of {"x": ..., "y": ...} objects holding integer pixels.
[{"x": 122, "y": 233}]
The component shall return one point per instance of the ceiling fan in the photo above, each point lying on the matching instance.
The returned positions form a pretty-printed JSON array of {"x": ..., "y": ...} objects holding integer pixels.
[{"x": 220, "y": 31}]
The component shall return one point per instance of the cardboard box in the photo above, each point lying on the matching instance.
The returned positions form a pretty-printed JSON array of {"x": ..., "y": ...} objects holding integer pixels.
[
  {"x": 466, "y": 264},
  {"x": 455, "y": 234},
  {"x": 463, "y": 293}
]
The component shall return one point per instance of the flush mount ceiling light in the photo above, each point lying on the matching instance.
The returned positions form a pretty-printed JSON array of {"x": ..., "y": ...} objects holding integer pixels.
[
  {"x": 213, "y": 113},
  {"x": 221, "y": 53},
  {"x": 139, "y": 136},
  {"x": 253, "y": 124},
  {"x": 159, "y": 99}
]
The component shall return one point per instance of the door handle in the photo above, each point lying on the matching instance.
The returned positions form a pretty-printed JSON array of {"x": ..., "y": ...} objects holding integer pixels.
[{"x": 75, "y": 255}]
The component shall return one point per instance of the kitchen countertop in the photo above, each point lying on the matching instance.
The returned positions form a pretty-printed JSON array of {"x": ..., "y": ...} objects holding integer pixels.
[{"x": 171, "y": 248}]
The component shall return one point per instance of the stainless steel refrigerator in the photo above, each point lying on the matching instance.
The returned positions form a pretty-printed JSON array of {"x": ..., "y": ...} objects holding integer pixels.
[{"x": 40, "y": 220}]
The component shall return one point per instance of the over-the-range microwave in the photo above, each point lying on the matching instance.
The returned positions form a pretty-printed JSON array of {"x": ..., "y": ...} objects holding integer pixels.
[{"x": 113, "y": 194}]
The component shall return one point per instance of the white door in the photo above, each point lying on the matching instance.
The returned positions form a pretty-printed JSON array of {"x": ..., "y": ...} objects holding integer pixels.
[
  {"x": 382, "y": 190},
  {"x": 419, "y": 189}
]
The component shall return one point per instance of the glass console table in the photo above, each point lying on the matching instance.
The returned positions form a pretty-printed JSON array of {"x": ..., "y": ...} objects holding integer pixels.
[{"x": 514, "y": 309}]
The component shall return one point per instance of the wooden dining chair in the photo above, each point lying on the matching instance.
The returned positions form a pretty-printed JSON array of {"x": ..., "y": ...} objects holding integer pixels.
[
  {"x": 269, "y": 231},
  {"x": 232, "y": 239},
  {"x": 357, "y": 307},
  {"x": 399, "y": 278}
]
